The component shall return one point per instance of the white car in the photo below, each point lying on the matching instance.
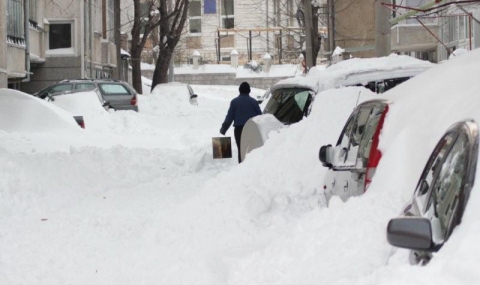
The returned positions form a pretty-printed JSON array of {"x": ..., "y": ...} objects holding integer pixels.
[
  {"x": 20, "y": 112},
  {"x": 291, "y": 99},
  {"x": 176, "y": 89}
]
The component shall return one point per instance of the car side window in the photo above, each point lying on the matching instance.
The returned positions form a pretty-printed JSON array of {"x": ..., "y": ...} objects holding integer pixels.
[
  {"x": 61, "y": 87},
  {"x": 370, "y": 128},
  {"x": 422, "y": 193},
  {"x": 84, "y": 86},
  {"x": 344, "y": 140},
  {"x": 446, "y": 189}
]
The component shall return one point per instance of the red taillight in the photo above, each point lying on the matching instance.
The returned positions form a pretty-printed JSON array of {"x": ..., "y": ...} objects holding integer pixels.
[
  {"x": 375, "y": 153},
  {"x": 133, "y": 102},
  {"x": 82, "y": 125}
]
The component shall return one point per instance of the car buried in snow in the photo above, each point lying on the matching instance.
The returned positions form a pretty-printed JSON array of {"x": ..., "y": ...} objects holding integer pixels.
[
  {"x": 441, "y": 196},
  {"x": 291, "y": 99},
  {"x": 118, "y": 95},
  {"x": 354, "y": 159}
]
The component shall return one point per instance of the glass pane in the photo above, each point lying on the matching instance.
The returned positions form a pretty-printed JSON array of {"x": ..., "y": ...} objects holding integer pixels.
[
  {"x": 62, "y": 87},
  {"x": 195, "y": 26},
  {"x": 84, "y": 86},
  {"x": 60, "y": 36},
  {"x": 194, "y": 9},
  {"x": 113, "y": 89},
  {"x": 370, "y": 128},
  {"x": 227, "y": 7},
  {"x": 422, "y": 192},
  {"x": 448, "y": 185},
  {"x": 228, "y": 23},
  {"x": 285, "y": 107},
  {"x": 210, "y": 7}
]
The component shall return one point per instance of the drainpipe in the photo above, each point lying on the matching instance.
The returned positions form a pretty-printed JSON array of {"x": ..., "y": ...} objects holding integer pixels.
[
  {"x": 82, "y": 37},
  {"x": 90, "y": 36},
  {"x": 26, "y": 10}
]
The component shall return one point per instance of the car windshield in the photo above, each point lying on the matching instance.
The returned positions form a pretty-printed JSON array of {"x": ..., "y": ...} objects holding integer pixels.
[
  {"x": 113, "y": 89},
  {"x": 289, "y": 105}
]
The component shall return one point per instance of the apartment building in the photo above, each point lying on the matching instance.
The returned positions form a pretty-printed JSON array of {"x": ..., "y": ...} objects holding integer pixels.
[
  {"x": 215, "y": 28},
  {"x": 433, "y": 34},
  {"x": 50, "y": 40}
]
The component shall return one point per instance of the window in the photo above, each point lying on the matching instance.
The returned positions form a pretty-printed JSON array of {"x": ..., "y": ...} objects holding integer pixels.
[
  {"x": 289, "y": 105},
  {"x": 60, "y": 36},
  {"x": 114, "y": 89},
  {"x": 84, "y": 86},
  {"x": 15, "y": 26},
  {"x": 210, "y": 7},
  {"x": 111, "y": 21},
  {"x": 60, "y": 88},
  {"x": 227, "y": 14},
  {"x": 445, "y": 196},
  {"x": 195, "y": 13},
  {"x": 461, "y": 28},
  {"x": 32, "y": 9}
]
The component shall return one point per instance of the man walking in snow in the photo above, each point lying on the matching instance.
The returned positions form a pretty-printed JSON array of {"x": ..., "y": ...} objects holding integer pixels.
[{"x": 242, "y": 108}]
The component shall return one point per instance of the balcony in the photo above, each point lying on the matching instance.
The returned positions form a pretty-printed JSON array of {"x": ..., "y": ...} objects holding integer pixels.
[
  {"x": 414, "y": 37},
  {"x": 15, "y": 61},
  {"x": 37, "y": 46},
  {"x": 109, "y": 54}
]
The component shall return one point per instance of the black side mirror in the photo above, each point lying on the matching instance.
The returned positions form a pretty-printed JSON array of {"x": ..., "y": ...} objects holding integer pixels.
[
  {"x": 324, "y": 156},
  {"x": 410, "y": 232},
  {"x": 193, "y": 96}
]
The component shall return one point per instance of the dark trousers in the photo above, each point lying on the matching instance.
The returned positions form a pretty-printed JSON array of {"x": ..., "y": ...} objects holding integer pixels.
[{"x": 238, "y": 135}]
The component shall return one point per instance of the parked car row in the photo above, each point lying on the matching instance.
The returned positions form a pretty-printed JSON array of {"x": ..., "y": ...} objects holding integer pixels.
[
  {"x": 115, "y": 94},
  {"x": 444, "y": 187},
  {"x": 290, "y": 100}
]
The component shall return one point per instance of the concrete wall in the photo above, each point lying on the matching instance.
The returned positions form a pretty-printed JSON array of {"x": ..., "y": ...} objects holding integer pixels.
[
  {"x": 221, "y": 79},
  {"x": 15, "y": 61},
  {"x": 349, "y": 33},
  {"x": 53, "y": 70},
  {"x": 413, "y": 38},
  {"x": 3, "y": 45}
]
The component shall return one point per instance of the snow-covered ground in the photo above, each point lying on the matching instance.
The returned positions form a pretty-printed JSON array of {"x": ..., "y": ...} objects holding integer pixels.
[{"x": 136, "y": 198}]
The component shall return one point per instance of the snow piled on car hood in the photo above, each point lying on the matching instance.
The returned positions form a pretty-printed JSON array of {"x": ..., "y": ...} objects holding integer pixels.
[{"x": 20, "y": 112}]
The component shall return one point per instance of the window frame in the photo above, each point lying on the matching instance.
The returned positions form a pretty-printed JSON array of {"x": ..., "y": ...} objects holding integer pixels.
[
  {"x": 225, "y": 16},
  {"x": 195, "y": 18},
  {"x": 73, "y": 40}
]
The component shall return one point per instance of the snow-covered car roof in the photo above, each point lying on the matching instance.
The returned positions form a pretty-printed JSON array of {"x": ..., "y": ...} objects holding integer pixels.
[
  {"x": 20, "y": 112},
  {"x": 357, "y": 71},
  {"x": 83, "y": 103}
]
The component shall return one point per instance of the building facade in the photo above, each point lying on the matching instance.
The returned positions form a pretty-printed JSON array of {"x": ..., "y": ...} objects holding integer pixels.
[
  {"x": 215, "y": 28},
  {"x": 48, "y": 41},
  {"x": 436, "y": 34}
]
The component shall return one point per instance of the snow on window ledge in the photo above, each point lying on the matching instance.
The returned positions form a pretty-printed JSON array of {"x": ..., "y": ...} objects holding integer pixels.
[{"x": 60, "y": 52}]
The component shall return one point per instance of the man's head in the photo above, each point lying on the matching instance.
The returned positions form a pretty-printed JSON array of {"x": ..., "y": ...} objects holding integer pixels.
[{"x": 244, "y": 88}]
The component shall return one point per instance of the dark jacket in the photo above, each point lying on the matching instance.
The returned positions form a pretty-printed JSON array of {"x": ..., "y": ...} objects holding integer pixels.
[{"x": 242, "y": 108}]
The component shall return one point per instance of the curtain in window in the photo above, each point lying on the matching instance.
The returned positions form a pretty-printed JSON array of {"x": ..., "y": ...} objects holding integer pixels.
[{"x": 210, "y": 7}]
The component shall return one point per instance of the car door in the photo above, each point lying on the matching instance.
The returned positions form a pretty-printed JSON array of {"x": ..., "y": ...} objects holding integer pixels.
[
  {"x": 444, "y": 187},
  {"x": 354, "y": 150}
]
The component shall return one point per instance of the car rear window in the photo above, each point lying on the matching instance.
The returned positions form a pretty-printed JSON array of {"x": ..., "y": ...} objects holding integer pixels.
[{"x": 113, "y": 89}]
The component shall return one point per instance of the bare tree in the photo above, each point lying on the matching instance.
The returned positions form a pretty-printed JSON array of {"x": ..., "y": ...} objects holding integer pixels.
[
  {"x": 173, "y": 15},
  {"x": 146, "y": 23}
]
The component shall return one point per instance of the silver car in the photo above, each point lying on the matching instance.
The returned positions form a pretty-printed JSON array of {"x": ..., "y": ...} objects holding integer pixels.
[{"x": 119, "y": 94}]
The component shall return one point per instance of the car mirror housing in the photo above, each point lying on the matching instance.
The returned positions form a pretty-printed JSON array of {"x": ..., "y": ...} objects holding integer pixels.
[
  {"x": 410, "y": 232},
  {"x": 325, "y": 155},
  {"x": 193, "y": 96}
]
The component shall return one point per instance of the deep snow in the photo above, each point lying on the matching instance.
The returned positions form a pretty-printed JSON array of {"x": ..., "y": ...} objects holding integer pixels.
[{"x": 136, "y": 198}]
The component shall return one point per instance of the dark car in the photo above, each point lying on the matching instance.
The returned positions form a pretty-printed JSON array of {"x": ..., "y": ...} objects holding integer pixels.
[
  {"x": 119, "y": 94},
  {"x": 441, "y": 195}
]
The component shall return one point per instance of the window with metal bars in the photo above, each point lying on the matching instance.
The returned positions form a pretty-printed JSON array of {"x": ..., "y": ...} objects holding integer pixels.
[
  {"x": 15, "y": 24},
  {"x": 32, "y": 13}
]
